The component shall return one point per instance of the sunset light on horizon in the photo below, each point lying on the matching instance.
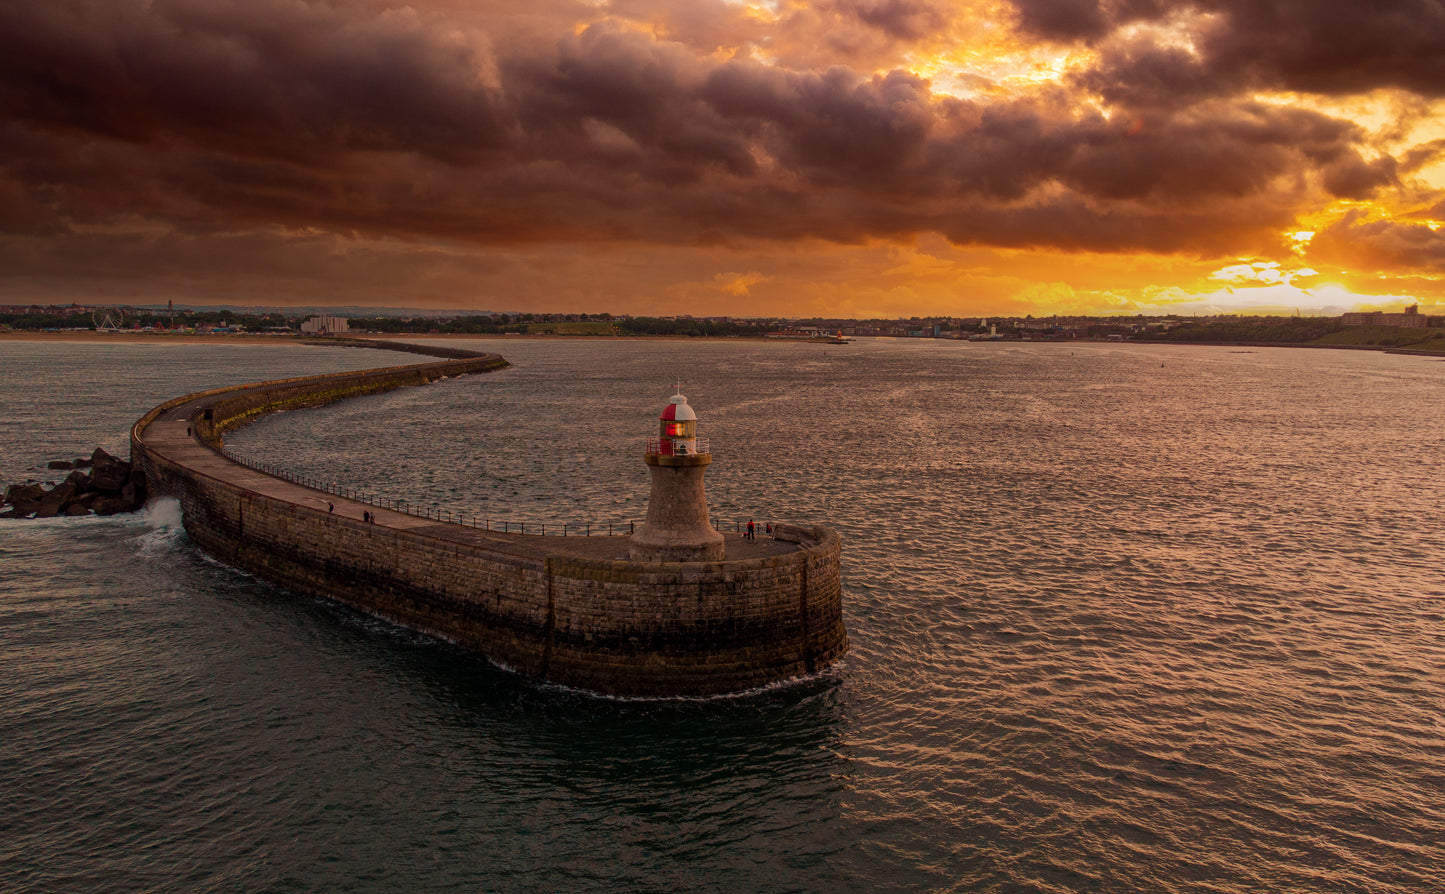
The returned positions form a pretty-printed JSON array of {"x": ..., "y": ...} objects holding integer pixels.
[{"x": 849, "y": 158}]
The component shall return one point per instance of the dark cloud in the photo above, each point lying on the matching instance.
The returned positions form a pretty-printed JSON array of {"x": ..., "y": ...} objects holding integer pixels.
[
  {"x": 1331, "y": 46},
  {"x": 282, "y": 79},
  {"x": 1352, "y": 177},
  {"x": 831, "y": 128},
  {"x": 1138, "y": 75},
  {"x": 1358, "y": 242},
  {"x": 705, "y": 26},
  {"x": 1226, "y": 150},
  {"x": 1084, "y": 20},
  {"x": 899, "y": 19},
  {"x": 1420, "y": 156},
  {"x": 555, "y": 121},
  {"x": 1063, "y": 19},
  {"x": 1071, "y": 223},
  {"x": 1334, "y": 47}
]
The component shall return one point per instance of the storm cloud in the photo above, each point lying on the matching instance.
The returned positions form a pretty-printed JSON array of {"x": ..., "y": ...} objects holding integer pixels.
[
  {"x": 1325, "y": 46},
  {"x": 694, "y": 124}
]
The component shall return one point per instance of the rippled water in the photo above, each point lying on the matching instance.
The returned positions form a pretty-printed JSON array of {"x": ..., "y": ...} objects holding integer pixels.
[{"x": 1123, "y": 619}]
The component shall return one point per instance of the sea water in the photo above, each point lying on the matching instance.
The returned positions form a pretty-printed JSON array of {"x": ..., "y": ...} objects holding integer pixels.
[{"x": 1123, "y": 619}]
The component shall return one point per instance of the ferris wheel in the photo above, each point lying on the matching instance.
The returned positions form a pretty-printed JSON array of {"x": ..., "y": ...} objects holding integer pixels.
[{"x": 106, "y": 320}]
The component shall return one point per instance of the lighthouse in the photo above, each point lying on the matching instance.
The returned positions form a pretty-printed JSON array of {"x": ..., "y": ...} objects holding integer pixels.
[{"x": 677, "y": 528}]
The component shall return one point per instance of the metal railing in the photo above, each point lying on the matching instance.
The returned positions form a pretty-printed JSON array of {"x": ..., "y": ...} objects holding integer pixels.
[
  {"x": 761, "y": 527},
  {"x": 438, "y": 513},
  {"x": 677, "y": 446}
]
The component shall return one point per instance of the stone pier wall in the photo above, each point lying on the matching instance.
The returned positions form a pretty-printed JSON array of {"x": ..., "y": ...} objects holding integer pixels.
[
  {"x": 612, "y": 626},
  {"x": 483, "y": 599},
  {"x": 236, "y": 405},
  {"x": 698, "y": 628}
]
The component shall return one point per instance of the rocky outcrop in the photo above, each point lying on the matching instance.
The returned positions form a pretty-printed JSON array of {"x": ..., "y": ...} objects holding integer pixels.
[{"x": 109, "y": 487}]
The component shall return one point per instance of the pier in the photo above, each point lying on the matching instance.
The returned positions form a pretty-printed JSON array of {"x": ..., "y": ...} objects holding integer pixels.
[{"x": 576, "y": 611}]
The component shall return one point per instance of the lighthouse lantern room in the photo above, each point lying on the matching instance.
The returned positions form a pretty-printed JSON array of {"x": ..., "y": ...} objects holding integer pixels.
[
  {"x": 677, "y": 528},
  {"x": 677, "y": 435}
]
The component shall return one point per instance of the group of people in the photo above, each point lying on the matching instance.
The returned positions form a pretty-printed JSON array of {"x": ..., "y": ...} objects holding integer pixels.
[
  {"x": 752, "y": 531},
  {"x": 366, "y": 515}
]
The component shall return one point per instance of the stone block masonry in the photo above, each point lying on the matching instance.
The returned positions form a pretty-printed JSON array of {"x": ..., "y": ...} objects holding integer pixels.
[{"x": 575, "y": 611}]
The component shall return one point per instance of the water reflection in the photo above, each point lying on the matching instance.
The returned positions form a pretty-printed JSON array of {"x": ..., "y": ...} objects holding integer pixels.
[{"x": 1123, "y": 619}]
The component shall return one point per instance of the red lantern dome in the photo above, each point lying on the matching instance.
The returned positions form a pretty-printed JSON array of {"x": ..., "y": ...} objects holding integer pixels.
[{"x": 677, "y": 435}]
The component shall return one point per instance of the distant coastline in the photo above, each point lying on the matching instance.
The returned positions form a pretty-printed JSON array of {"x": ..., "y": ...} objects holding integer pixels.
[
  {"x": 78, "y": 337},
  {"x": 134, "y": 337},
  {"x": 160, "y": 338}
]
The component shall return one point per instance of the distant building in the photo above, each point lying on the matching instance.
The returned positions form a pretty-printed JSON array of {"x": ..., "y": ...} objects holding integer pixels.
[
  {"x": 1410, "y": 319},
  {"x": 325, "y": 326}
]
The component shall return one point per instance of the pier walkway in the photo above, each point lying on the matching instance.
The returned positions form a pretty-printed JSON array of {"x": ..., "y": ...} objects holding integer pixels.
[{"x": 172, "y": 435}]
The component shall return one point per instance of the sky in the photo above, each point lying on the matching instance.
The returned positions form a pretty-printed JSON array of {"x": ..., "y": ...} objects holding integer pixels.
[{"x": 848, "y": 158}]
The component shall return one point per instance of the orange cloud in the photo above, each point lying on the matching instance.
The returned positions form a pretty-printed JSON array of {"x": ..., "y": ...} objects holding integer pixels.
[{"x": 453, "y": 147}]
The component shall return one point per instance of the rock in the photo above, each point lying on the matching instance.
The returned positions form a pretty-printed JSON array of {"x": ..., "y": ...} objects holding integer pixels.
[
  {"x": 24, "y": 493},
  {"x": 112, "y": 486},
  {"x": 101, "y": 460},
  {"x": 110, "y": 480},
  {"x": 53, "y": 503},
  {"x": 112, "y": 505},
  {"x": 60, "y": 464},
  {"x": 23, "y": 499}
]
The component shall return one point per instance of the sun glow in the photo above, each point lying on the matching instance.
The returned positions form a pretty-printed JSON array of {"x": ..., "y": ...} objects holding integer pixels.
[{"x": 745, "y": 157}]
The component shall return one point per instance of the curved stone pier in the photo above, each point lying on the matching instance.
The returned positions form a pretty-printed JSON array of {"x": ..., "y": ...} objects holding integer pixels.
[{"x": 569, "y": 610}]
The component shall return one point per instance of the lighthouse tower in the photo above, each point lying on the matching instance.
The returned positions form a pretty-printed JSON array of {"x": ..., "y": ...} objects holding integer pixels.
[{"x": 677, "y": 528}]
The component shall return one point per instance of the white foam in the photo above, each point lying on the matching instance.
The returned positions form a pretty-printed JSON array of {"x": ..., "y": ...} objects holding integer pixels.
[
  {"x": 163, "y": 521},
  {"x": 162, "y": 513}
]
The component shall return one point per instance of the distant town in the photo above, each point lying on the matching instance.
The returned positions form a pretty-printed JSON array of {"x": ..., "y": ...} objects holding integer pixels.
[{"x": 1407, "y": 329}]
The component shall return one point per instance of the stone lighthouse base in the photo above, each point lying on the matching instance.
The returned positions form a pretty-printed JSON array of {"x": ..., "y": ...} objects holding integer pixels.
[{"x": 677, "y": 528}]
